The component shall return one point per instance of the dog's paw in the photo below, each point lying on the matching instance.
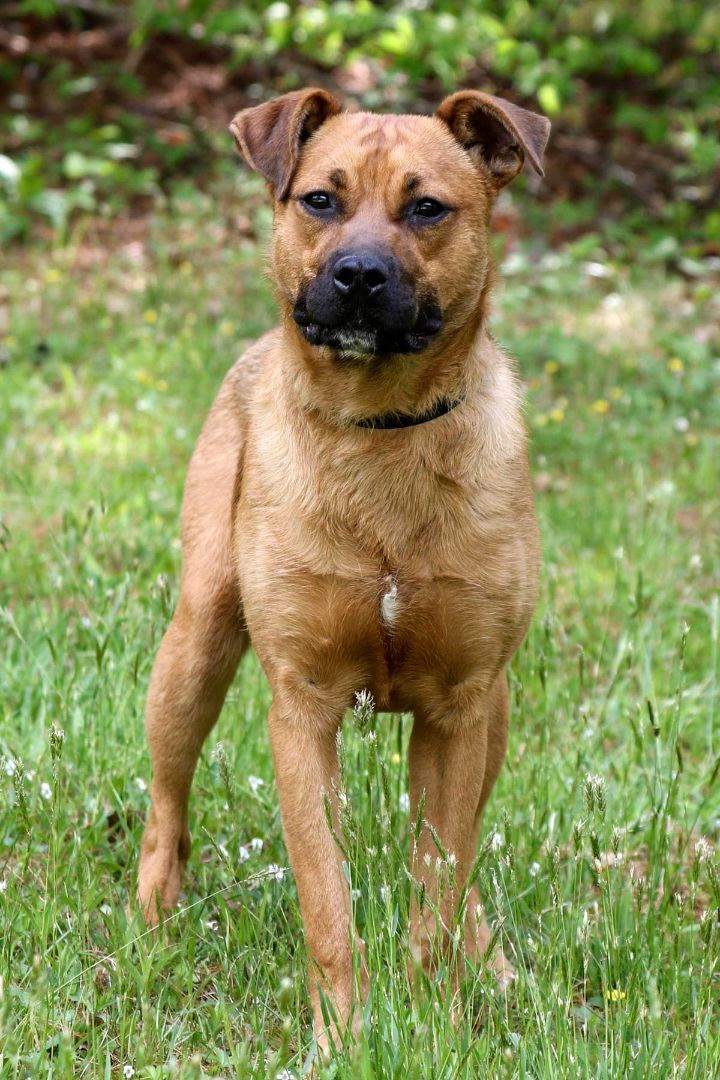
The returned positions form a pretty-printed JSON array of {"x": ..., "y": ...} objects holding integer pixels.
[
  {"x": 159, "y": 882},
  {"x": 478, "y": 939},
  {"x": 334, "y": 1037},
  {"x": 504, "y": 970}
]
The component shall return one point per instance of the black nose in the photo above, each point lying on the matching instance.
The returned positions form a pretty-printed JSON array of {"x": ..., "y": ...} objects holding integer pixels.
[{"x": 360, "y": 275}]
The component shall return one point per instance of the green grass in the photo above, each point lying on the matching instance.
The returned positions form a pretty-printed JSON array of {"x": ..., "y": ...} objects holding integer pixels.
[{"x": 597, "y": 887}]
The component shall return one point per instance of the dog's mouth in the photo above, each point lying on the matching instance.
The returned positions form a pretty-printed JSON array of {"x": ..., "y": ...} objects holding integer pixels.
[{"x": 365, "y": 337}]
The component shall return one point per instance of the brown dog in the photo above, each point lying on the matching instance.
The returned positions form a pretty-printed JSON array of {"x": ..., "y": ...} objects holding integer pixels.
[{"x": 358, "y": 503}]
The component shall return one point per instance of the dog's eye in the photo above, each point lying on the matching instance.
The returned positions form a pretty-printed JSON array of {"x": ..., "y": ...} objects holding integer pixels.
[
  {"x": 429, "y": 209},
  {"x": 317, "y": 201}
]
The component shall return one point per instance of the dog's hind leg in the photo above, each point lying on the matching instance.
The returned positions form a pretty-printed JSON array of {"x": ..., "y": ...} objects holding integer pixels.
[{"x": 198, "y": 655}]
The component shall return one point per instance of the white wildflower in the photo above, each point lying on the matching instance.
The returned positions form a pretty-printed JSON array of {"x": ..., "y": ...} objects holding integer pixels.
[
  {"x": 276, "y": 13},
  {"x": 534, "y": 869},
  {"x": 597, "y": 270},
  {"x": 276, "y": 872},
  {"x": 128, "y": 1071},
  {"x": 613, "y": 302},
  {"x": 140, "y": 783},
  {"x": 255, "y": 783},
  {"x": 404, "y": 802},
  {"x": 256, "y": 844},
  {"x": 45, "y": 790},
  {"x": 496, "y": 841},
  {"x": 243, "y": 854}
]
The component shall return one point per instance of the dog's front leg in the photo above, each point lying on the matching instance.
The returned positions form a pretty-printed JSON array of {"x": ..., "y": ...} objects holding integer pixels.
[
  {"x": 455, "y": 756},
  {"x": 305, "y": 756}
]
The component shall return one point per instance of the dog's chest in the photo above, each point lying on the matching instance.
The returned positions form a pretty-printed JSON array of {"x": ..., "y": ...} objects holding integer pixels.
[
  {"x": 389, "y": 601},
  {"x": 401, "y": 509},
  {"x": 369, "y": 575}
]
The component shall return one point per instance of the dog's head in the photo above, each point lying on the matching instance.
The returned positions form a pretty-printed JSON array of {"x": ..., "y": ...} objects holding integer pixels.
[{"x": 381, "y": 222}]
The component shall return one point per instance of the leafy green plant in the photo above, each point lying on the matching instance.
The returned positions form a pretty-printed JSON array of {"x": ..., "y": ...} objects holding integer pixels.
[{"x": 640, "y": 81}]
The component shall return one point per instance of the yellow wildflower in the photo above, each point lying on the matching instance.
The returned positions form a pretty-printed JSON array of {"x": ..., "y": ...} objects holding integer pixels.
[
  {"x": 185, "y": 267},
  {"x": 146, "y": 379},
  {"x": 676, "y": 364},
  {"x": 226, "y": 327},
  {"x": 600, "y": 406},
  {"x": 52, "y": 275},
  {"x": 150, "y": 316},
  {"x": 616, "y": 393},
  {"x": 552, "y": 366},
  {"x": 395, "y": 758},
  {"x": 557, "y": 414},
  {"x": 691, "y": 438},
  {"x": 541, "y": 419},
  {"x": 615, "y": 994}
]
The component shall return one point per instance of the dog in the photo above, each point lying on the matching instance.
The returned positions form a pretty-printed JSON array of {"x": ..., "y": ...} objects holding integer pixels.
[{"x": 359, "y": 505}]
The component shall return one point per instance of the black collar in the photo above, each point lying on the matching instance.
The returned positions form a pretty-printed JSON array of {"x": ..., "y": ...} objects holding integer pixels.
[{"x": 401, "y": 420}]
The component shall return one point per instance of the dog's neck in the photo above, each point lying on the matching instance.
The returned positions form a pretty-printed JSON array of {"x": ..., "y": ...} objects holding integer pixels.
[{"x": 348, "y": 390}]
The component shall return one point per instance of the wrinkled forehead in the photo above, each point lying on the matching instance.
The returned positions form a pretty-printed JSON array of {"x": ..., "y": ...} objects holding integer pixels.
[{"x": 366, "y": 153}]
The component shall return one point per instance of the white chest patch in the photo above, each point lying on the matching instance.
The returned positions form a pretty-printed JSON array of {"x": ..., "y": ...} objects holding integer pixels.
[{"x": 389, "y": 602}]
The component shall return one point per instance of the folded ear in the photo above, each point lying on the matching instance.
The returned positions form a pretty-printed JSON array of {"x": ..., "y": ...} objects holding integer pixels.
[
  {"x": 270, "y": 136},
  {"x": 496, "y": 133}
]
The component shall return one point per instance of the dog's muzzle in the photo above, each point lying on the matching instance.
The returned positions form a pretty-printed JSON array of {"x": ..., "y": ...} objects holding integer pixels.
[{"x": 362, "y": 304}]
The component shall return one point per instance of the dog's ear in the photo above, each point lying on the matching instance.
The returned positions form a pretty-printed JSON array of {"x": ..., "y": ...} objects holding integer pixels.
[
  {"x": 496, "y": 133},
  {"x": 270, "y": 136}
]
